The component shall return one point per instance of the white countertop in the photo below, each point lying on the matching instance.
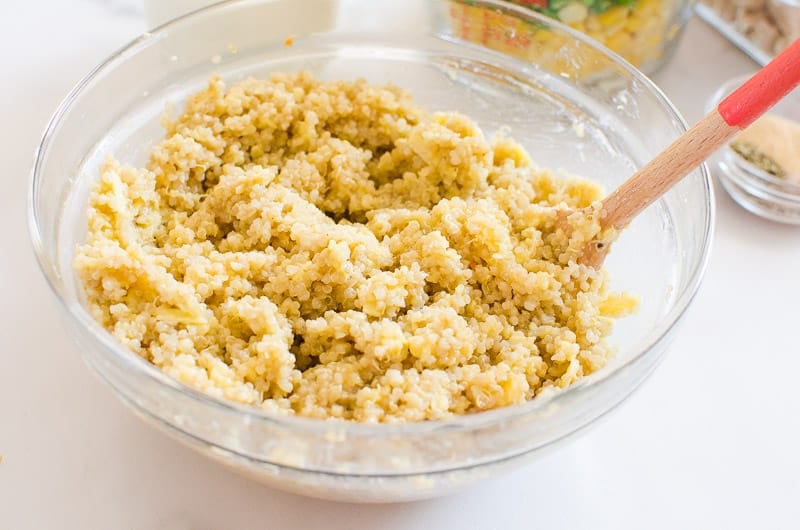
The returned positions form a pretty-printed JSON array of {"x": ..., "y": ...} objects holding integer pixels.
[{"x": 712, "y": 440}]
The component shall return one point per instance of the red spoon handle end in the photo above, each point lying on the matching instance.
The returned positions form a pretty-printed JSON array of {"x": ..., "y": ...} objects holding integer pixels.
[{"x": 747, "y": 103}]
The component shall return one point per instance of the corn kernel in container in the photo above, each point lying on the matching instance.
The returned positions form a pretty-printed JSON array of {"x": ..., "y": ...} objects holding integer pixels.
[{"x": 642, "y": 31}]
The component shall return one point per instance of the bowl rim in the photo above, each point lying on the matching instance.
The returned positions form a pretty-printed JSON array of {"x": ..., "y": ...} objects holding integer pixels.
[{"x": 80, "y": 315}]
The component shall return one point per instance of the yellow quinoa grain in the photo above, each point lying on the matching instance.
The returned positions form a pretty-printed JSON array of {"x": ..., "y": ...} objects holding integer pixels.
[{"x": 331, "y": 250}]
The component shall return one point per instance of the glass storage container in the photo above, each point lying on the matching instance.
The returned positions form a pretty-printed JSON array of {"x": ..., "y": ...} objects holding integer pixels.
[
  {"x": 645, "y": 32},
  {"x": 761, "y": 28}
]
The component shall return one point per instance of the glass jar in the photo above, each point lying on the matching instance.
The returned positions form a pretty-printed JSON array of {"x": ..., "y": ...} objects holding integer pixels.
[
  {"x": 751, "y": 187},
  {"x": 644, "y": 32}
]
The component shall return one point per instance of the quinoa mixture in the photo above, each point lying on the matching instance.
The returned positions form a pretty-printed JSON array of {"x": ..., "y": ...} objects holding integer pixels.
[{"x": 331, "y": 250}]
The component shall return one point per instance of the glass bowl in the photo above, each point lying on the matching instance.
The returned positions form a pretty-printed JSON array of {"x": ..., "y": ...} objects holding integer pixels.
[
  {"x": 749, "y": 186},
  {"x": 578, "y": 109}
]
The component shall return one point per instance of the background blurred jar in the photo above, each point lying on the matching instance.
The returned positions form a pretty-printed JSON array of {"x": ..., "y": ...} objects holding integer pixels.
[
  {"x": 644, "y": 32},
  {"x": 769, "y": 25}
]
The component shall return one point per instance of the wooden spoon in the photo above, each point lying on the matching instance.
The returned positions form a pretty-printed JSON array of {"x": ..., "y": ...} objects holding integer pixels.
[{"x": 747, "y": 103}]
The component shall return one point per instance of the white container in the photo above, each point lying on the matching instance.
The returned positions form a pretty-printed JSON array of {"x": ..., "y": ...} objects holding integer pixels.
[
  {"x": 157, "y": 12},
  {"x": 304, "y": 16}
]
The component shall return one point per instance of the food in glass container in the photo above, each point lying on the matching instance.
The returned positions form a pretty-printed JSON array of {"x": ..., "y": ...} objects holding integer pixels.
[
  {"x": 772, "y": 144},
  {"x": 642, "y": 31},
  {"x": 769, "y": 26},
  {"x": 331, "y": 250},
  {"x": 760, "y": 167}
]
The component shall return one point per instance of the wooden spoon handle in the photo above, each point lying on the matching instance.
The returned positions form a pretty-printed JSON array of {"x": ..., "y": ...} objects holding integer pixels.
[
  {"x": 665, "y": 170},
  {"x": 737, "y": 111}
]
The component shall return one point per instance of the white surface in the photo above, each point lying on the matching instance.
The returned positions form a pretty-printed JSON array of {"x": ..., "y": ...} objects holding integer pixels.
[{"x": 710, "y": 441}]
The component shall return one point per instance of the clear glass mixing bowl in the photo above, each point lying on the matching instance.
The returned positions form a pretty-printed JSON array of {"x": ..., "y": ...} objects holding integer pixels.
[{"x": 576, "y": 109}]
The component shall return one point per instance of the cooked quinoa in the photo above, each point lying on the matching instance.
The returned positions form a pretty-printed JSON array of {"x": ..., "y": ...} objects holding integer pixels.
[{"x": 331, "y": 250}]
